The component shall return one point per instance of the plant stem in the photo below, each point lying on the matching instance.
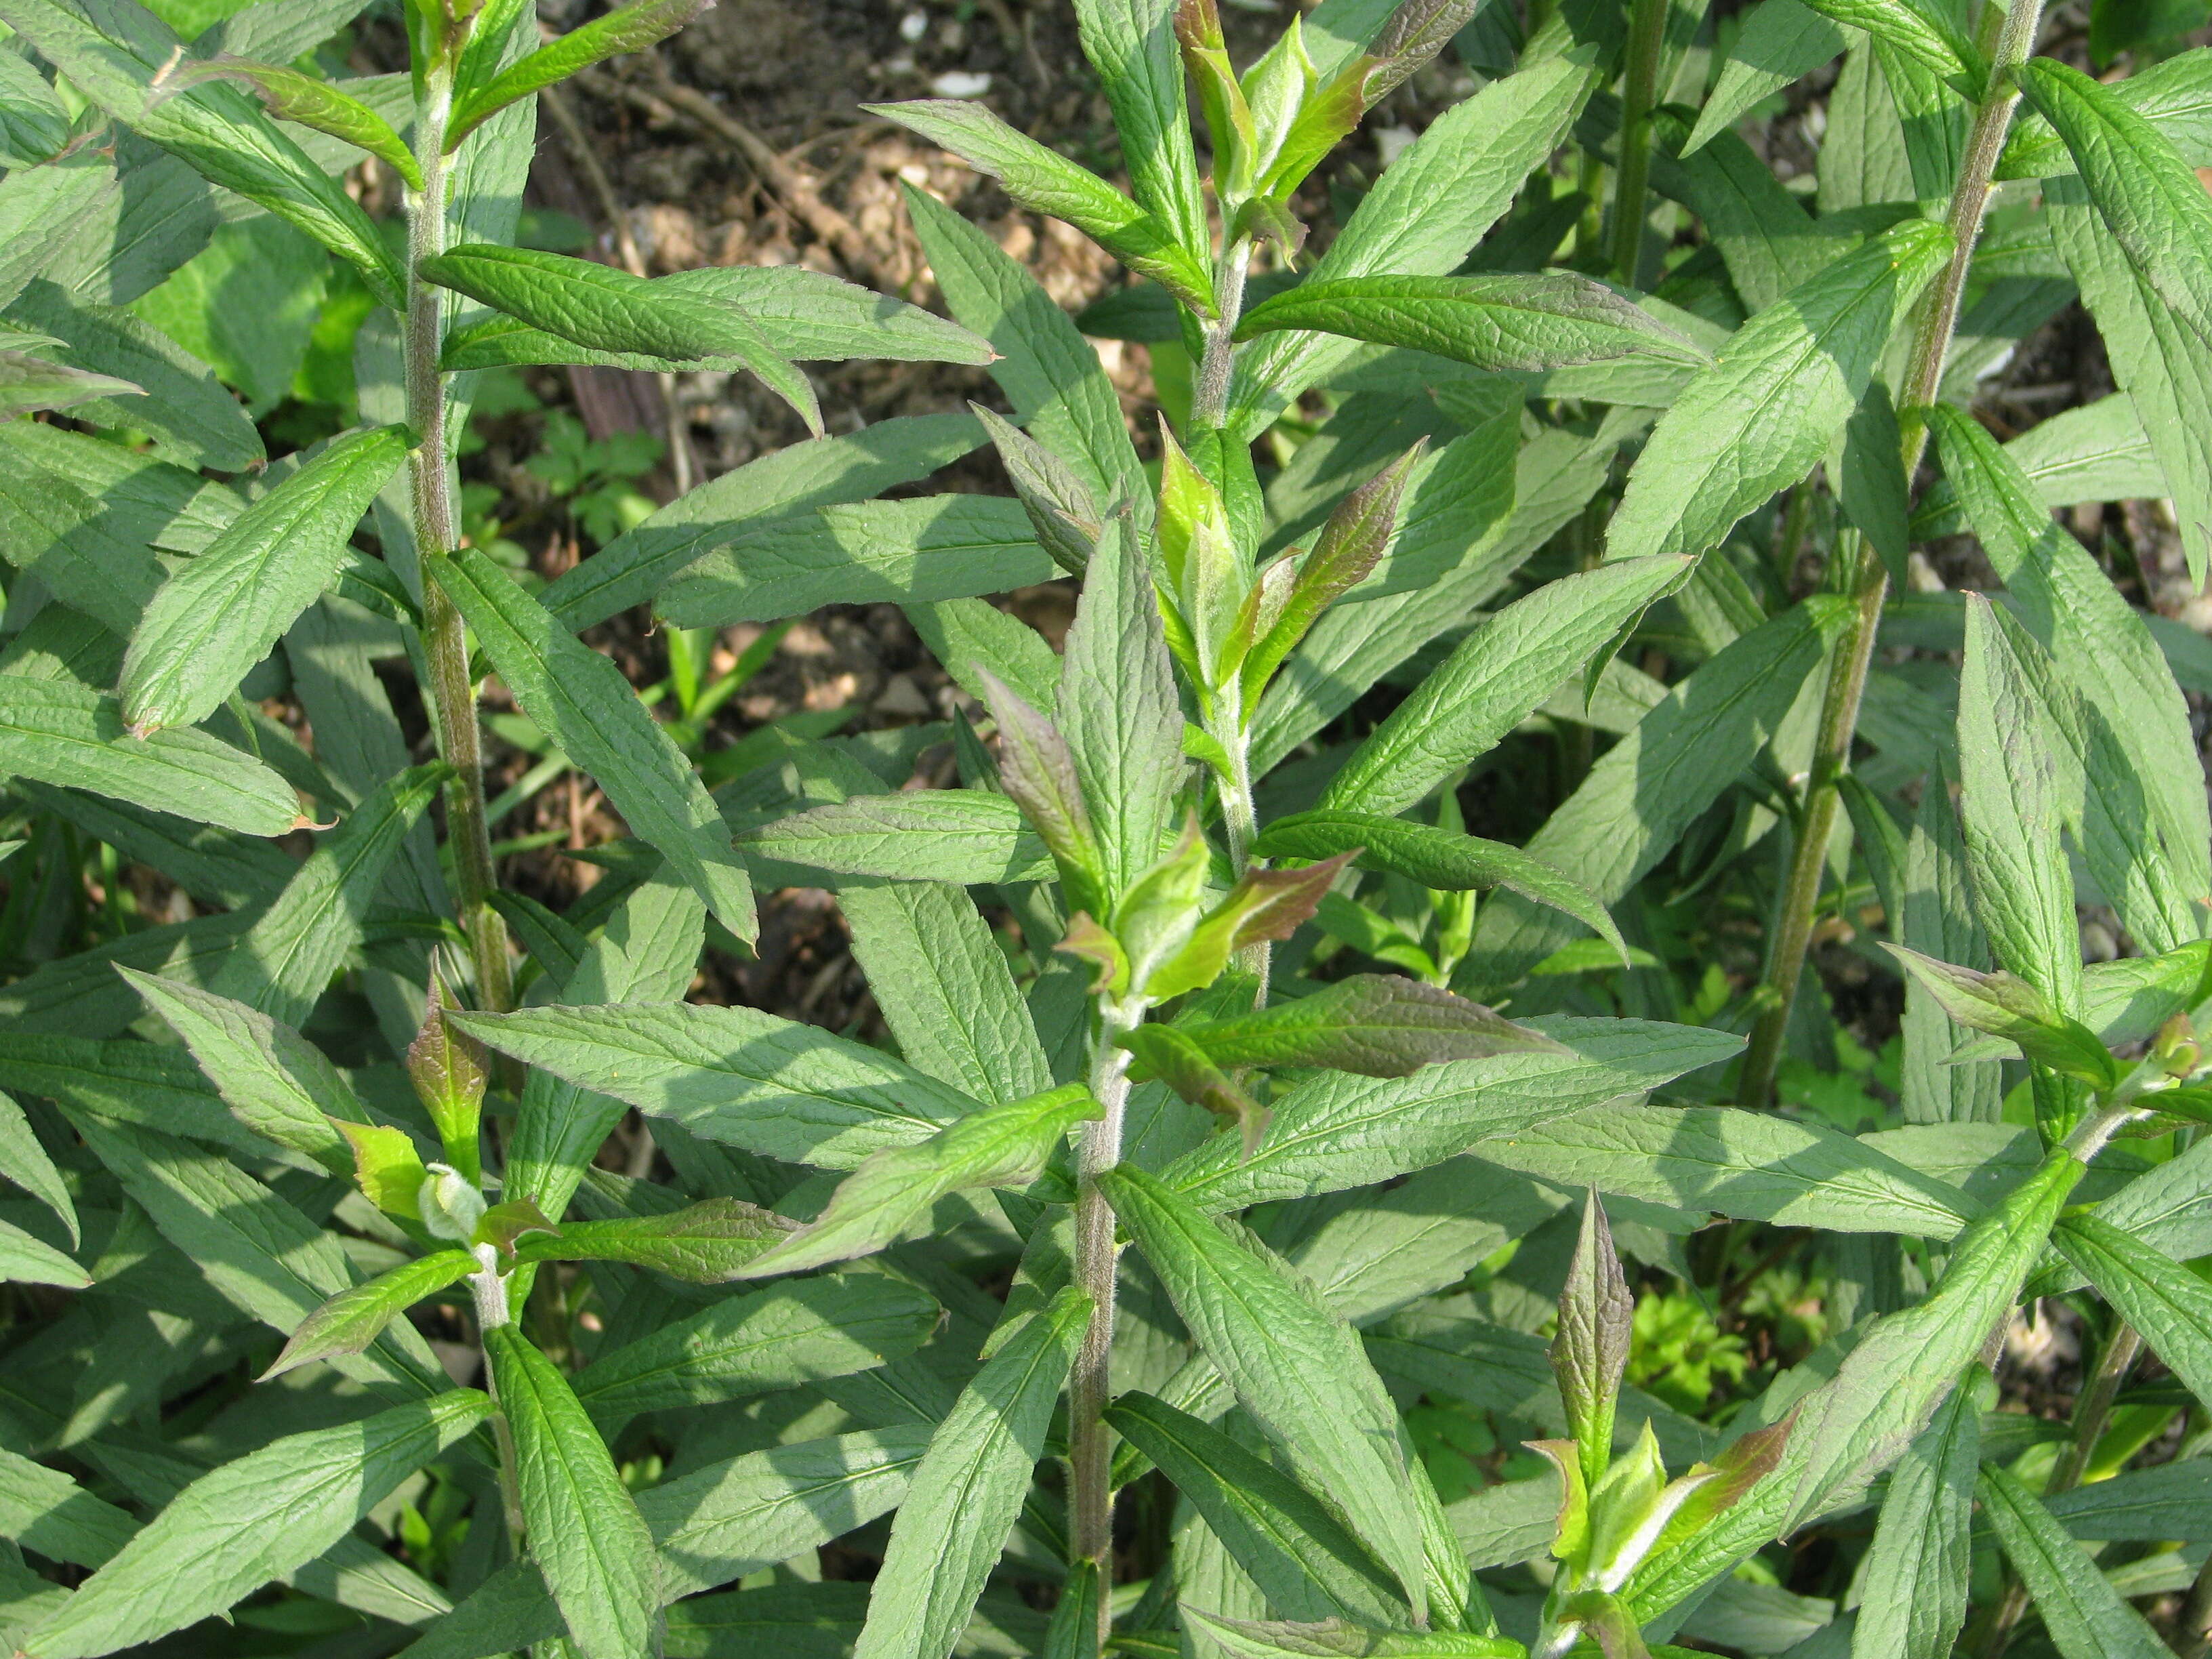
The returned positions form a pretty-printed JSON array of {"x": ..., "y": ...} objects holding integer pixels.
[
  {"x": 445, "y": 646},
  {"x": 489, "y": 1291},
  {"x": 1209, "y": 402},
  {"x": 1869, "y": 582},
  {"x": 2193, "y": 1635},
  {"x": 2091, "y": 1413},
  {"x": 1639, "y": 93},
  {"x": 1089, "y": 1442}
]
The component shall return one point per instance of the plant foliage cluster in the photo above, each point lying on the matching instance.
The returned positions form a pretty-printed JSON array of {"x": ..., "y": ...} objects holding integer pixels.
[{"x": 1254, "y": 1156}]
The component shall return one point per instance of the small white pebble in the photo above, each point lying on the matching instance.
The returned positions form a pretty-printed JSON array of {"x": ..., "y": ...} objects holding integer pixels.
[
  {"x": 1394, "y": 141},
  {"x": 961, "y": 83},
  {"x": 913, "y": 26}
]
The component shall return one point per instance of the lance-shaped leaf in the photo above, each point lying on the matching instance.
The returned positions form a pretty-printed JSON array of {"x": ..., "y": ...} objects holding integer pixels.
[
  {"x": 1438, "y": 859},
  {"x": 706, "y": 1243},
  {"x": 2004, "y": 1004},
  {"x": 1061, "y": 508},
  {"x": 2083, "y": 1611},
  {"x": 626, "y": 29},
  {"x": 387, "y": 1169},
  {"x": 1335, "y": 1639},
  {"x": 969, "y": 1490},
  {"x": 26, "y": 1259},
  {"x": 611, "y": 310},
  {"x": 1304, "y": 1560},
  {"x": 1516, "y": 321},
  {"x": 24, "y": 1161},
  {"x": 1298, "y": 1370},
  {"x": 1176, "y": 1060},
  {"x": 962, "y": 836},
  {"x": 29, "y": 383},
  {"x": 289, "y": 94},
  {"x": 1492, "y": 678},
  {"x": 580, "y": 701},
  {"x": 2149, "y": 196},
  {"x": 785, "y": 1336},
  {"x": 1779, "y": 41},
  {"x": 1131, "y": 43},
  {"x": 1048, "y": 182},
  {"x": 60, "y": 732},
  {"x": 1038, "y": 772},
  {"x": 115, "y": 60},
  {"x": 273, "y": 1081},
  {"x": 1927, "y": 34},
  {"x": 2171, "y": 96},
  {"x": 1374, "y": 1024},
  {"x": 218, "y": 614},
  {"x": 585, "y": 1532},
  {"x": 285, "y": 961},
  {"x": 1073, "y": 1632},
  {"x": 1589, "y": 1354},
  {"x": 2170, "y": 1306},
  {"x": 1352, "y": 543},
  {"x": 1264, "y": 904},
  {"x": 446, "y": 1067},
  {"x": 890, "y": 1195},
  {"x": 1923, "y": 1543},
  {"x": 353, "y": 1318},
  {"x": 238, "y": 1526},
  {"x": 1774, "y": 398},
  {"x": 1333, "y": 1131}
]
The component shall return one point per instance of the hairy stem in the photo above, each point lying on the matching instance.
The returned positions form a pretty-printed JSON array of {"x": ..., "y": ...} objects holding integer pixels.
[
  {"x": 444, "y": 647},
  {"x": 1639, "y": 93},
  {"x": 1869, "y": 584},
  {"x": 489, "y": 1291},
  {"x": 1209, "y": 402},
  {"x": 1089, "y": 1442}
]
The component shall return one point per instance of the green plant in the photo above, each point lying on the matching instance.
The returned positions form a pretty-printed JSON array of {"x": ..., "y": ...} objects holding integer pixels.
[{"x": 1111, "y": 1279}]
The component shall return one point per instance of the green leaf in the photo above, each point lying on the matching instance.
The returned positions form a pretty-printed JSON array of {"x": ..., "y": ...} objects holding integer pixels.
[
  {"x": 1332, "y": 1638},
  {"x": 1437, "y": 859},
  {"x": 25, "y": 1259},
  {"x": 2006, "y": 1005},
  {"x": 2139, "y": 760},
  {"x": 794, "y": 480},
  {"x": 803, "y": 314},
  {"x": 2149, "y": 196},
  {"x": 705, "y": 1243},
  {"x": 1751, "y": 1164},
  {"x": 1514, "y": 321},
  {"x": 30, "y": 384},
  {"x": 783, "y": 1337},
  {"x": 1176, "y": 1060},
  {"x": 2166, "y": 1500},
  {"x": 1780, "y": 41},
  {"x": 353, "y": 1318},
  {"x": 1924, "y": 33},
  {"x": 943, "y": 984},
  {"x": 2009, "y": 806},
  {"x": 961, "y": 836},
  {"x": 2174, "y": 95},
  {"x": 1037, "y": 771},
  {"x": 2082, "y": 1612},
  {"x": 33, "y": 126},
  {"x": 24, "y": 1161},
  {"x": 283, "y": 963},
  {"x": 1120, "y": 712},
  {"x": 2170, "y": 1306},
  {"x": 1429, "y": 209},
  {"x": 1493, "y": 677},
  {"x": 1304, "y": 1560},
  {"x": 61, "y": 732},
  {"x": 1334, "y": 1132},
  {"x": 585, "y": 1532},
  {"x": 1589, "y": 1353},
  {"x": 1774, "y": 399},
  {"x": 1374, "y": 1024},
  {"x": 237, "y": 1527},
  {"x": 1131, "y": 43},
  {"x": 611, "y": 310},
  {"x": 1921, "y": 1543},
  {"x": 291, "y": 95},
  {"x": 115, "y": 60},
  {"x": 968, "y": 1489},
  {"x": 274, "y": 1081},
  {"x": 632, "y": 27},
  {"x": 938, "y": 547},
  {"x": 1658, "y": 780},
  {"x": 1046, "y": 182},
  {"x": 890, "y": 1195},
  {"x": 773, "y": 1086},
  {"x": 582, "y": 703},
  {"x": 1297, "y": 1370},
  {"x": 218, "y": 614}
]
